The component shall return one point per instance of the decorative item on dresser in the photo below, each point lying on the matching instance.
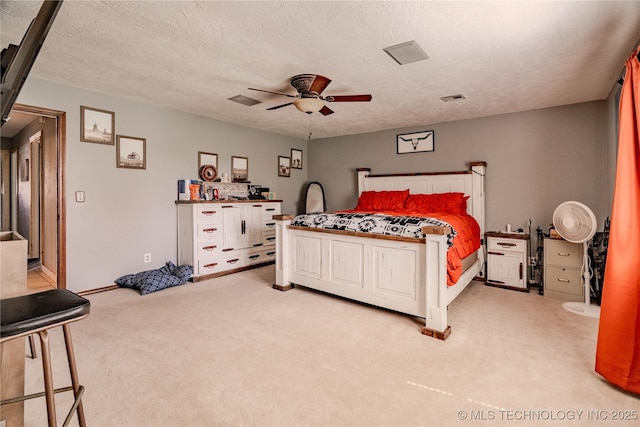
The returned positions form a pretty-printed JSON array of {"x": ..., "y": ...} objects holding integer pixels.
[
  {"x": 223, "y": 237},
  {"x": 407, "y": 273},
  {"x": 507, "y": 255}
]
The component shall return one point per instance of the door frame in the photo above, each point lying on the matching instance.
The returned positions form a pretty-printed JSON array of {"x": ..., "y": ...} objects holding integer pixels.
[{"x": 61, "y": 132}]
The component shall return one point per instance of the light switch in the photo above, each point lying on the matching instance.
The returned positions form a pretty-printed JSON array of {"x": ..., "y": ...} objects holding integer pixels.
[{"x": 79, "y": 196}]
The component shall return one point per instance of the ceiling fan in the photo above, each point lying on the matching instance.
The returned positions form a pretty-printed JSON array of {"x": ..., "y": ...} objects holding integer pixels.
[{"x": 309, "y": 99}]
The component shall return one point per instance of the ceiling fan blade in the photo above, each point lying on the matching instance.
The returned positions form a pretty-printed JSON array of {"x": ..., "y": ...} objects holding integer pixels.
[
  {"x": 325, "y": 111},
  {"x": 280, "y": 106},
  {"x": 348, "y": 98},
  {"x": 275, "y": 93},
  {"x": 319, "y": 84}
]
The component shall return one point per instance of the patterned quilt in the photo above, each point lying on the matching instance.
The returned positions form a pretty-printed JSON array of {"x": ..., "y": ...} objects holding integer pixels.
[{"x": 402, "y": 226}]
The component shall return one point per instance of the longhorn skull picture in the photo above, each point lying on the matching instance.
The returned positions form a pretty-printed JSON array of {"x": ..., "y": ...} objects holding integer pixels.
[{"x": 415, "y": 142}]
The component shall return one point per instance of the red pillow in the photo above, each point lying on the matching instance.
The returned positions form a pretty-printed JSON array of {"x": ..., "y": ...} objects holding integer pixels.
[
  {"x": 381, "y": 200},
  {"x": 454, "y": 203}
]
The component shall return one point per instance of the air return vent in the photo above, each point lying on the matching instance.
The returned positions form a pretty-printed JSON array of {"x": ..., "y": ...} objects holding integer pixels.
[
  {"x": 244, "y": 100},
  {"x": 406, "y": 53}
]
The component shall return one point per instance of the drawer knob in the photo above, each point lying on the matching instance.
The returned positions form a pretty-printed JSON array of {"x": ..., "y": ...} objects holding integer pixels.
[
  {"x": 563, "y": 254},
  {"x": 213, "y": 264},
  {"x": 563, "y": 280},
  {"x": 209, "y": 230},
  {"x": 208, "y": 213},
  {"x": 209, "y": 248},
  {"x": 506, "y": 244}
]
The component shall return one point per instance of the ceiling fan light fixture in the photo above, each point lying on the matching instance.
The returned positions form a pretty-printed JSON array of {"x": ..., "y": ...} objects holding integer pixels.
[{"x": 309, "y": 105}]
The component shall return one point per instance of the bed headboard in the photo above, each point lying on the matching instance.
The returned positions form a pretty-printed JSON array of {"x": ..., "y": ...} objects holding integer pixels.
[{"x": 470, "y": 182}]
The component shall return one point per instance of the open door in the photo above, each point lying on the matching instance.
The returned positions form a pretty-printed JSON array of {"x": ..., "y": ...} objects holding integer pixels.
[{"x": 38, "y": 191}]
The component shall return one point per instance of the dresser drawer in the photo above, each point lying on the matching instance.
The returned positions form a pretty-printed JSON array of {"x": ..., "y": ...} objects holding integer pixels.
[
  {"x": 563, "y": 253},
  {"x": 209, "y": 231},
  {"x": 269, "y": 238},
  {"x": 511, "y": 245},
  {"x": 561, "y": 279},
  {"x": 223, "y": 262},
  {"x": 270, "y": 209},
  {"x": 209, "y": 248},
  {"x": 208, "y": 213},
  {"x": 268, "y": 225},
  {"x": 257, "y": 257}
]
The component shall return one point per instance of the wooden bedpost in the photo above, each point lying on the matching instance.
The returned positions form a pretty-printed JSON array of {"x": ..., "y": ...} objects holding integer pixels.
[
  {"x": 362, "y": 174},
  {"x": 436, "y": 282},
  {"x": 283, "y": 252},
  {"x": 478, "y": 170}
]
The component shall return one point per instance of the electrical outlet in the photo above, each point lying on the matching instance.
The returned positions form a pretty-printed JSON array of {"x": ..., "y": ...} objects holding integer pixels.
[
  {"x": 79, "y": 196},
  {"x": 147, "y": 258}
]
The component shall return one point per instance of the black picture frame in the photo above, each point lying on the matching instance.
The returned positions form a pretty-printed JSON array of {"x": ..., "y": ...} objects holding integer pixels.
[{"x": 415, "y": 142}]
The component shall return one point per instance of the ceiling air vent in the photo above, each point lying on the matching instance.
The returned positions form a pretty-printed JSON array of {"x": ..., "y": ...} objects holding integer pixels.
[
  {"x": 406, "y": 53},
  {"x": 453, "y": 97},
  {"x": 244, "y": 100}
]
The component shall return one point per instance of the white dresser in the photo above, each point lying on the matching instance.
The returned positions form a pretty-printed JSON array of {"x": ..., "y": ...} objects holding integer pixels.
[
  {"x": 507, "y": 255},
  {"x": 563, "y": 270},
  {"x": 222, "y": 237}
]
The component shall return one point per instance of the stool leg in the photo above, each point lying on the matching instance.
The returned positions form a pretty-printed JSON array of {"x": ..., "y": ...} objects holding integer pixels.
[
  {"x": 48, "y": 377},
  {"x": 73, "y": 371},
  {"x": 32, "y": 346}
]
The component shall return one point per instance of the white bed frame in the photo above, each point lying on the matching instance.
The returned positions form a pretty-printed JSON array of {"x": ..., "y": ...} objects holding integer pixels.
[{"x": 402, "y": 274}]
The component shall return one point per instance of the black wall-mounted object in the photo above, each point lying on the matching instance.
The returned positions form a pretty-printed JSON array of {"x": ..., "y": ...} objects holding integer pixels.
[{"x": 18, "y": 60}]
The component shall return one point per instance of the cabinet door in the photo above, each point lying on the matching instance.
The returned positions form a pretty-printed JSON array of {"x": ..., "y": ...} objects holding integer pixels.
[
  {"x": 506, "y": 269},
  {"x": 252, "y": 231},
  {"x": 242, "y": 226},
  {"x": 232, "y": 227}
]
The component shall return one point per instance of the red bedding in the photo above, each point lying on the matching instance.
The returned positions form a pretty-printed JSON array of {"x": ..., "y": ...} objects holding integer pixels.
[
  {"x": 466, "y": 241},
  {"x": 448, "y": 207}
]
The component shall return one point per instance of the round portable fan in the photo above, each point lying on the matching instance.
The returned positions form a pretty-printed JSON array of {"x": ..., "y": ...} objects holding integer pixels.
[{"x": 576, "y": 223}]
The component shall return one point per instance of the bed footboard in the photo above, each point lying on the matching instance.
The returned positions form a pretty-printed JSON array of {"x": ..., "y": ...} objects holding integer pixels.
[{"x": 405, "y": 276}]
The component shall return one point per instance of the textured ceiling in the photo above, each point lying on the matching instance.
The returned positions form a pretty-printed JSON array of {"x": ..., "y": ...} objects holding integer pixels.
[{"x": 193, "y": 56}]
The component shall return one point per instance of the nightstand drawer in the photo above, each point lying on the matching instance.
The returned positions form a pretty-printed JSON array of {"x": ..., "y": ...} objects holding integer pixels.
[
  {"x": 504, "y": 244},
  {"x": 561, "y": 279},
  {"x": 561, "y": 252}
]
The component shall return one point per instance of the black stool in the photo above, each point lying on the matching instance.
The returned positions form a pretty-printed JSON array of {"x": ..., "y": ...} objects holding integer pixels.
[{"x": 37, "y": 313}]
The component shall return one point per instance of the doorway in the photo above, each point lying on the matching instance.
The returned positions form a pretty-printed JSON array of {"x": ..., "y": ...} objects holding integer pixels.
[{"x": 34, "y": 199}]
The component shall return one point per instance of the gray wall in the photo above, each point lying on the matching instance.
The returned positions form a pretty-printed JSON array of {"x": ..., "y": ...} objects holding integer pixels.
[
  {"x": 131, "y": 212},
  {"x": 536, "y": 160}
]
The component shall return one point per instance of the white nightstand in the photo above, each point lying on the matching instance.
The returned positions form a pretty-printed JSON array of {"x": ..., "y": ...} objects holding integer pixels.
[{"x": 507, "y": 255}]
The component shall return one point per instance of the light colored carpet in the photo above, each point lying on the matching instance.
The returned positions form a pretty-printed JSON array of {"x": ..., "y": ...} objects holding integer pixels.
[{"x": 232, "y": 351}]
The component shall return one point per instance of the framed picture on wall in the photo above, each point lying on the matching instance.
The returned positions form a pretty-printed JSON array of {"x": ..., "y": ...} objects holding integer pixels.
[
  {"x": 131, "y": 152},
  {"x": 97, "y": 125},
  {"x": 207, "y": 166},
  {"x": 416, "y": 142},
  {"x": 284, "y": 166},
  {"x": 296, "y": 159},
  {"x": 239, "y": 169}
]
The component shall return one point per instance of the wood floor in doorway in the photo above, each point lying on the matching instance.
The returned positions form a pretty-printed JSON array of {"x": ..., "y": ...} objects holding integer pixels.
[{"x": 38, "y": 281}]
